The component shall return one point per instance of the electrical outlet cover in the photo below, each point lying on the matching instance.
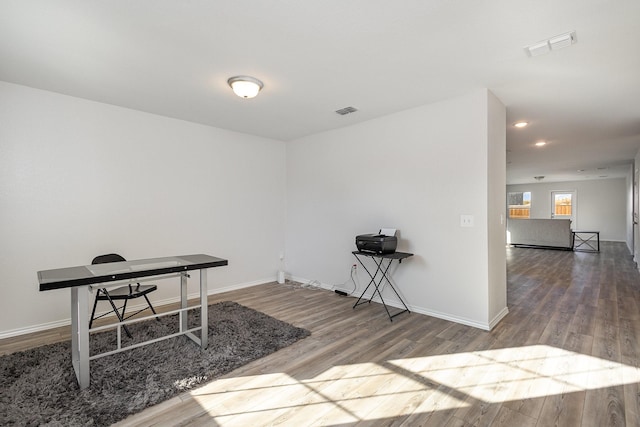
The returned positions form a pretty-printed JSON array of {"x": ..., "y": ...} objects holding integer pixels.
[{"x": 466, "y": 220}]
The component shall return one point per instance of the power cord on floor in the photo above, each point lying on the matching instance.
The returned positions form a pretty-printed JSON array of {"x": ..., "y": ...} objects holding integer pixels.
[
  {"x": 342, "y": 291},
  {"x": 312, "y": 284}
]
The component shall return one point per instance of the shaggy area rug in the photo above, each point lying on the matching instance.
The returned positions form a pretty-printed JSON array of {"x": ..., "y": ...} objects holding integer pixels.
[{"x": 38, "y": 386}]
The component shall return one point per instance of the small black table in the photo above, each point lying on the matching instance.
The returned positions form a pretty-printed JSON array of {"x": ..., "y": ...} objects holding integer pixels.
[
  {"x": 585, "y": 243},
  {"x": 378, "y": 259}
]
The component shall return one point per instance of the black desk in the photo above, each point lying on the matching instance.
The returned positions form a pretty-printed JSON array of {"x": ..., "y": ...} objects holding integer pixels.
[
  {"x": 378, "y": 259},
  {"x": 79, "y": 280}
]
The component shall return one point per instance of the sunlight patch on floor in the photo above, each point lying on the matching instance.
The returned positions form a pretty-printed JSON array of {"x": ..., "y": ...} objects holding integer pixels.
[
  {"x": 522, "y": 372},
  {"x": 370, "y": 391}
]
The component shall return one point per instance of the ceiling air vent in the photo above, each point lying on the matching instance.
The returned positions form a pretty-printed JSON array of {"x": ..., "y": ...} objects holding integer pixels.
[
  {"x": 346, "y": 110},
  {"x": 554, "y": 43}
]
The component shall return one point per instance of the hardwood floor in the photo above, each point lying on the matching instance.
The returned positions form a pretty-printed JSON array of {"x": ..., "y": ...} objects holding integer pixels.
[{"x": 567, "y": 354}]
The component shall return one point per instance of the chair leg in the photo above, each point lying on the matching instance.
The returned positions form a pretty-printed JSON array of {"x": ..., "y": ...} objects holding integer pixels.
[
  {"x": 124, "y": 308},
  {"x": 120, "y": 317},
  {"x": 151, "y": 307}
]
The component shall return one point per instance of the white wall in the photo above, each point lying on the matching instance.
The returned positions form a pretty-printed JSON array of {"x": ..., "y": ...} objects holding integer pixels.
[
  {"x": 417, "y": 171},
  {"x": 80, "y": 178},
  {"x": 629, "y": 227},
  {"x": 636, "y": 209},
  {"x": 601, "y": 205},
  {"x": 496, "y": 161}
]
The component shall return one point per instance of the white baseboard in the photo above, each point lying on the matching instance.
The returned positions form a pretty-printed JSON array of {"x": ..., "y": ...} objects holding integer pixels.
[
  {"x": 456, "y": 319},
  {"x": 389, "y": 301},
  {"x": 67, "y": 321},
  {"x": 498, "y": 318},
  {"x": 34, "y": 328},
  {"x": 393, "y": 302}
]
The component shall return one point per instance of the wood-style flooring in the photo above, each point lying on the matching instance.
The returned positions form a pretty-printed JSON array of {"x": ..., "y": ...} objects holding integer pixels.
[{"x": 567, "y": 354}]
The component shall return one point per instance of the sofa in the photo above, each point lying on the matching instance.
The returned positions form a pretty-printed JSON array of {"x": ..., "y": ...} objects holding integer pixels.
[{"x": 544, "y": 233}]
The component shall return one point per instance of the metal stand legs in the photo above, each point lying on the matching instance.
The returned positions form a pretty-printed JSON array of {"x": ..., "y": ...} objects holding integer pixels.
[{"x": 380, "y": 268}]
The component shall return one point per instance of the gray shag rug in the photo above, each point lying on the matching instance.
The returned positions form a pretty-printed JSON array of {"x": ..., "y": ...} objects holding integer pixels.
[{"x": 38, "y": 386}]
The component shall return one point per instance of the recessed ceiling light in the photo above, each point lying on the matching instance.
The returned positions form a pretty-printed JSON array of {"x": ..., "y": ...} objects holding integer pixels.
[
  {"x": 520, "y": 124},
  {"x": 540, "y": 143}
]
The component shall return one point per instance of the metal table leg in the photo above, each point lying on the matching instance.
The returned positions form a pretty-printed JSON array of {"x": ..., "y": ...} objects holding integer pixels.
[
  {"x": 204, "y": 310},
  {"x": 372, "y": 281},
  {"x": 586, "y": 244},
  {"x": 184, "y": 315},
  {"x": 80, "y": 334},
  {"x": 377, "y": 285},
  {"x": 397, "y": 294}
]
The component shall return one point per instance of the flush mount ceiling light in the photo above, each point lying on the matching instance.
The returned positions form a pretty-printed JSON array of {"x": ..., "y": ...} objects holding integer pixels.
[
  {"x": 245, "y": 86},
  {"x": 554, "y": 43},
  {"x": 520, "y": 124},
  {"x": 541, "y": 143}
]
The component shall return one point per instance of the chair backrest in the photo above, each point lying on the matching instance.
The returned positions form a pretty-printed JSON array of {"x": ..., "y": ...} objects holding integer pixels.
[{"x": 103, "y": 259}]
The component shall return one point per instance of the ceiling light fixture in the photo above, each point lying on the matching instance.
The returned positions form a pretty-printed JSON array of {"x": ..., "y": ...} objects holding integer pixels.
[
  {"x": 540, "y": 143},
  {"x": 520, "y": 124},
  {"x": 245, "y": 86}
]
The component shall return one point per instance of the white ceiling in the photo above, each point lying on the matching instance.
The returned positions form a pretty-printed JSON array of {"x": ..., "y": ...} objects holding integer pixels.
[{"x": 173, "y": 57}]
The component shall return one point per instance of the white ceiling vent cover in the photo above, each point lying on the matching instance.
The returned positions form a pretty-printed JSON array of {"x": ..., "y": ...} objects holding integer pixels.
[
  {"x": 563, "y": 40},
  {"x": 346, "y": 110},
  {"x": 554, "y": 43},
  {"x": 538, "y": 49}
]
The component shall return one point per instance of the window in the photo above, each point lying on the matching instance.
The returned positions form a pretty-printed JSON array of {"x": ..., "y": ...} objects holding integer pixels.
[
  {"x": 519, "y": 204},
  {"x": 562, "y": 204}
]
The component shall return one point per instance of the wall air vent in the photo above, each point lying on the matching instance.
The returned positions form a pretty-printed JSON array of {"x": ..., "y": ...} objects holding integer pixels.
[{"x": 346, "y": 110}]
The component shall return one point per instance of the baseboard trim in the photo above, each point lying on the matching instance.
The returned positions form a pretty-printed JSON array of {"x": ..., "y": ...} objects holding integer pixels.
[
  {"x": 498, "y": 318},
  {"x": 66, "y": 322},
  {"x": 456, "y": 319},
  {"x": 392, "y": 302},
  {"x": 389, "y": 301},
  {"x": 34, "y": 328}
]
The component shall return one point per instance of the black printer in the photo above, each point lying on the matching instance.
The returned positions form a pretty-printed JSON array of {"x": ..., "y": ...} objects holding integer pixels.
[{"x": 376, "y": 243}]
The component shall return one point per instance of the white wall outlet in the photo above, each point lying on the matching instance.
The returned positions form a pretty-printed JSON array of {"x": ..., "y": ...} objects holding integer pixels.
[{"x": 466, "y": 220}]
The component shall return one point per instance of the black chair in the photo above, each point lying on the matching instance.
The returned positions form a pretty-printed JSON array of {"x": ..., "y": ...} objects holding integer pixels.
[{"x": 126, "y": 293}]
